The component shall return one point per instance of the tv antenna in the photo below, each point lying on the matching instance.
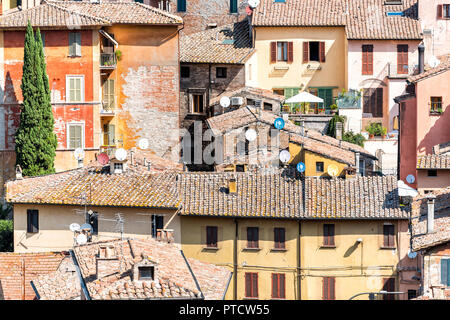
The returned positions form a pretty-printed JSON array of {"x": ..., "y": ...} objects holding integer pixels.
[{"x": 119, "y": 220}]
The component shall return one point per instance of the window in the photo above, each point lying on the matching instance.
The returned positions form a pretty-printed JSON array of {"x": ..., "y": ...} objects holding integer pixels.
[
  {"x": 157, "y": 223},
  {"x": 389, "y": 286},
  {"x": 197, "y": 103},
  {"x": 251, "y": 285},
  {"x": 373, "y": 102},
  {"x": 432, "y": 173},
  {"x": 328, "y": 235},
  {"x": 92, "y": 219},
  {"x": 436, "y": 104},
  {"x": 252, "y": 237},
  {"x": 146, "y": 273},
  {"x": 118, "y": 167},
  {"x": 32, "y": 221},
  {"x": 108, "y": 94},
  {"x": 181, "y": 5},
  {"x": 211, "y": 237},
  {"x": 164, "y": 5},
  {"x": 445, "y": 272},
  {"x": 233, "y": 6},
  {"x": 388, "y": 236},
  {"x": 109, "y": 133},
  {"x": 319, "y": 166},
  {"x": 268, "y": 106},
  {"x": 75, "y": 88},
  {"x": 240, "y": 168},
  {"x": 367, "y": 59},
  {"x": 281, "y": 51},
  {"x": 74, "y": 44},
  {"x": 328, "y": 288},
  {"x": 185, "y": 72},
  {"x": 412, "y": 294},
  {"x": 278, "y": 286},
  {"x": 402, "y": 59},
  {"x": 280, "y": 238},
  {"x": 443, "y": 11},
  {"x": 313, "y": 51},
  {"x": 75, "y": 136},
  {"x": 221, "y": 72}
]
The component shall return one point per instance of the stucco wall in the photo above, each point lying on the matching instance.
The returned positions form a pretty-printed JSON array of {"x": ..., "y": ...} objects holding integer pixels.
[
  {"x": 438, "y": 42},
  {"x": 54, "y": 221},
  {"x": 424, "y": 182}
]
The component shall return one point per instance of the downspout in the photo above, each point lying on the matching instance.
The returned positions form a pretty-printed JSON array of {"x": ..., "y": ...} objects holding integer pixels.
[
  {"x": 235, "y": 260},
  {"x": 202, "y": 296},
  {"x": 209, "y": 89},
  {"x": 80, "y": 277},
  {"x": 299, "y": 265}
]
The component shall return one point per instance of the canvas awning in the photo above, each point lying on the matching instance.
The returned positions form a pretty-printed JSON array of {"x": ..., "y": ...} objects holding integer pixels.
[{"x": 304, "y": 97}]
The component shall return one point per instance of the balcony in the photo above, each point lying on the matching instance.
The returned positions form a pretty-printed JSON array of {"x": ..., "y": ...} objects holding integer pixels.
[
  {"x": 398, "y": 71},
  {"x": 107, "y": 61},
  {"x": 107, "y": 108}
]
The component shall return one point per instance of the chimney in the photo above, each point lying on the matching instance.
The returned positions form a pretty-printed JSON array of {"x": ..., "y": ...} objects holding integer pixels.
[
  {"x": 107, "y": 261},
  {"x": 339, "y": 130},
  {"x": 421, "y": 57},
  {"x": 165, "y": 235},
  {"x": 232, "y": 186},
  {"x": 430, "y": 213},
  {"x": 19, "y": 172},
  {"x": 357, "y": 163},
  {"x": 145, "y": 270}
]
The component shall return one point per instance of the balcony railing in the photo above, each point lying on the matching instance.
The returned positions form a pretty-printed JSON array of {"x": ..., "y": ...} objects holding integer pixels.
[
  {"x": 108, "y": 107},
  {"x": 401, "y": 71},
  {"x": 107, "y": 61}
]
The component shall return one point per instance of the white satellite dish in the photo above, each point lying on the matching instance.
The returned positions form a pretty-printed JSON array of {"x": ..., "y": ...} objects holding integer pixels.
[
  {"x": 81, "y": 238},
  {"x": 250, "y": 135},
  {"x": 410, "y": 178},
  {"x": 78, "y": 154},
  {"x": 253, "y": 3},
  {"x": 225, "y": 102},
  {"x": 86, "y": 226},
  {"x": 285, "y": 156},
  {"x": 412, "y": 254},
  {"x": 120, "y": 154},
  {"x": 143, "y": 143},
  {"x": 433, "y": 61},
  {"x": 74, "y": 227},
  {"x": 333, "y": 170}
]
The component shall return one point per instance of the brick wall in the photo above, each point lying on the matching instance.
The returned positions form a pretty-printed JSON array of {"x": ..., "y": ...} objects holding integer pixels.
[{"x": 12, "y": 277}]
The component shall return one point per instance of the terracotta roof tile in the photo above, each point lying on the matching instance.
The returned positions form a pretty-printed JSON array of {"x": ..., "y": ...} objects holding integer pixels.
[
  {"x": 226, "y": 44},
  {"x": 441, "y": 234},
  {"x": 443, "y": 66},
  {"x": 433, "y": 161},
  {"x": 263, "y": 93}
]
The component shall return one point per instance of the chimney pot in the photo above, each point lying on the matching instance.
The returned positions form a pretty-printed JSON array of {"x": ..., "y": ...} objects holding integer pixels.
[
  {"x": 232, "y": 186},
  {"x": 357, "y": 163},
  {"x": 339, "y": 130},
  {"x": 421, "y": 58},
  {"x": 430, "y": 213},
  {"x": 165, "y": 235}
]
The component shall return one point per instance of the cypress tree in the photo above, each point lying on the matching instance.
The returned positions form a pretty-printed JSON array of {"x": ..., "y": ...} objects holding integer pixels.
[{"x": 35, "y": 140}]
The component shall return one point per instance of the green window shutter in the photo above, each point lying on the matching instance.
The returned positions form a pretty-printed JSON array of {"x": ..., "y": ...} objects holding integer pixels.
[
  {"x": 71, "y": 42},
  {"x": 445, "y": 272},
  {"x": 111, "y": 134},
  {"x": 327, "y": 95},
  {"x": 181, "y": 5},
  {"x": 233, "y": 6},
  {"x": 78, "y": 44}
]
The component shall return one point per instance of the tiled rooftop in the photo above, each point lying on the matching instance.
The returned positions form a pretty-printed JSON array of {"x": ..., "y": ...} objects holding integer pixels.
[
  {"x": 258, "y": 92},
  {"x": 54, "y": 14},
  {"x": 362, "y": 19},
  {"x": 433, "y": 161},
  {"x": 420, "y": 238},
  {"x": 225, "y": 44},
  {"x": 443, "y": 66},
  {"x": 172, "y": 277},
  {"x": 35, "y": 265}
]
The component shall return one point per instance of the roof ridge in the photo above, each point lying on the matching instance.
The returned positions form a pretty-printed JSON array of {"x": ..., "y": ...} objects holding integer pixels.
[
  {"x": 156, "y": 10},
  {"x": 54, "y": 4}
]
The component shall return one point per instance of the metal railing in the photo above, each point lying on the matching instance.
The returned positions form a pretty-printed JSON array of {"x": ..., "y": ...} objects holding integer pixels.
[
  {"x": 107, "y": 60},
  {"x": 398, "y": 71},
  {"x": 108, "y": 106}
]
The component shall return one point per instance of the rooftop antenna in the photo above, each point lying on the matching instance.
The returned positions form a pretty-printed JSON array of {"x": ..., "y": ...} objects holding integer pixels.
[{"x": 119, "y": 220}]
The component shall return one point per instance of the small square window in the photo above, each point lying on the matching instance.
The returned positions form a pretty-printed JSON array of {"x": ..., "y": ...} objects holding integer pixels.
[
  {"x": 432, "y": 173},
  {"x": 319, "y": 166},
  {"x": 268, "y": 106},
  {"x": 185, "y": 72},
  {"x": 436, "y": 104},
  {"x": 221, "y": 72},
  {"x": 146, "y": 273}
]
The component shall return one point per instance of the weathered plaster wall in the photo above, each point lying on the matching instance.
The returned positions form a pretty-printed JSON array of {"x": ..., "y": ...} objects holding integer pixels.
[{"x": 438, "y": 42}]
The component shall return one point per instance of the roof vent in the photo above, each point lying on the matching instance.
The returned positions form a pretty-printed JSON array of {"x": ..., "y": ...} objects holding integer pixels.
[
  {"x": 232, "y": 186},
  {"x": 145, "y": 270}
]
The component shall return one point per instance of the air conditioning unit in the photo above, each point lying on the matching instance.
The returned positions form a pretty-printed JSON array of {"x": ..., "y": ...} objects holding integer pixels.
[{"x": 237, "y": 101}]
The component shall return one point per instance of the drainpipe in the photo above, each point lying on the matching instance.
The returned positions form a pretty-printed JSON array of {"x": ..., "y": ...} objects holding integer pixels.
[
  {"x": 421, "y": 58},
  {"x": 430, "y": 213},
  {"x": 299, "y": 265},
  {"x": 235, "y": 260}
]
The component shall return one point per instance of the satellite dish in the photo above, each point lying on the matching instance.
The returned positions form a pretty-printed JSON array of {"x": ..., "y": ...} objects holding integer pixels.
[
  {"x": 433, "y": 61},
  {"x": 103, "y": 158},
  {"x": 333, "y": 170},
  {"x": 120, "y": 154},
  {"x": 253, "y": 3},
  {"x": 279, "y": 123},
  {"x": 81, "y": 239},
  {"x": 301, "y": 167},
  {"x": 74, "y": 227},
  {"x": 410, "y": 178},
  {"x": 412, "y": 254},
  {"x": 86, "y": 226},
  {"x": 143, "y": 143},
  {"x": 78, "y": 154},
  {"x": 250, "y": 135},
  {"x": 225, "y": 102},
  {"x": 285, "y": 156}
]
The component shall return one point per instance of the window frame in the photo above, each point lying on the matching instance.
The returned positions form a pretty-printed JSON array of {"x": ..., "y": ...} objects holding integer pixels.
[
  {"x": 329, "y": 232},
  {"x": 74, "y": 76},
  {"x": 328, "y": 288},
  {"x": 154, "y": 222},
  {"x": 388, "y": 237},
  {"x": 192, "y": 102},
  {"x": 181, "y": 6},
  {"x": 152, "y": 272},
  {"x": 252, "y": 234},
  {"x": 222, "y": 74},
  {"x": 318, "y": 163},
  {"x": 70, "y": 124},
  {"x": 278, "y": 286},
  {"x": 435, "y": 104},
  {"x": 234, "y": 6},
  {"x": 283, "y": 45},
  {"x": 31, "y": 227},
  {"x": 402, "y": 59},
  {"x": 212, "y": 231},
  {"x": 367, "y": 59},
  {"x": 279, "y": 238},
  {"x": 77, "y": 53},
  {"x": 251, "y": 277},
  {"x": 432, "y": 173}
]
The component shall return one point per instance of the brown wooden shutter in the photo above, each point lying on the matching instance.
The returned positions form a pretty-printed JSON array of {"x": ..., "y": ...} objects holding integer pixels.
[
  {"x": 255, "y": 285},
  {"x": 370, "y": 61},
  {"x": 439, "y": 11},
  {"x": 273, "y": 52},
  {"x": 290, "y": 52},
  {"x": 248, "y": 285},
  {"x": 305, "y": 52},
  {"x": 325, "y": 288},
  {"x": 331, "y": 285},
  {"x": 322, "y": 51},
  {"x": 379, "y": 104},
  {"x": 331, "y": 235},
  {"x": 274, "y": 285},
  {"x": 282, "y": 287}
]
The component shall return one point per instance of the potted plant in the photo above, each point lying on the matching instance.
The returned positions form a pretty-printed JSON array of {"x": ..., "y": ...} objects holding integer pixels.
[
  {"x": 333, "y": 108},
  {"x": 439, "y": 110},
  {"x": 371, "y": 130},
  {"x": 383, "y": 132},
  {"x": 118, "y": 55}
]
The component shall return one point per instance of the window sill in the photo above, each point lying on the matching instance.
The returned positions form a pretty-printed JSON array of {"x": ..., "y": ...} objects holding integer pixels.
[
  {"x": 436, "y": 113},
  {"x": 278, "y": 299},
  {"x": 387, "y": 248},
  {"x": 252, "y": 249},
  {"x": 328, "y": 246},
  {"x": 278, "y": 249},
  {"x": 73, "y": 56},
  {"x": 210, "y": 248},
  {"x": 250, "y": 298}
]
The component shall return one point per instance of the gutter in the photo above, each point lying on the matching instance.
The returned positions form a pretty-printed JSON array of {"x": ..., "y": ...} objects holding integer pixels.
[
  {"x": 35, "y": 290},
  {"x": 202, "y": 297},
  {"x": 80, "y": 277},
  {"x": 228, "y": 285},
  {"x": 235, "y": 259}
]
